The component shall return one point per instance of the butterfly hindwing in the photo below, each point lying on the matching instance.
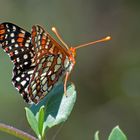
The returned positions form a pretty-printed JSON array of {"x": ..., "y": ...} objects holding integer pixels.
[
  {"x": 45, "y": 76},
  {"x": 51, "y": 64}
]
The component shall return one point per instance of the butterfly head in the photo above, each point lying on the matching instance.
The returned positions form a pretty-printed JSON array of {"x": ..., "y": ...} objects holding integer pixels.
[
  {"x": 72, "y": 54},
  {"x": 73, "y": 51}
]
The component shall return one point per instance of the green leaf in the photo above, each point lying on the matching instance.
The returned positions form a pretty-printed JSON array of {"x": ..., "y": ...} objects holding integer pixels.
[
  {"x": 32, "y": 121},
  {"x": 41, "y": 120},
  {"x": 96, "y": 136},
  {"x": 117, "y": 134},
  {"x": 57, "y": 106}
]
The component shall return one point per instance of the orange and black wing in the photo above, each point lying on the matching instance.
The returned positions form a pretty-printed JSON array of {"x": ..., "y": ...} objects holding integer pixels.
[
  {"x": 52, "y": 63},
  {"x": 16, "y": 42}
]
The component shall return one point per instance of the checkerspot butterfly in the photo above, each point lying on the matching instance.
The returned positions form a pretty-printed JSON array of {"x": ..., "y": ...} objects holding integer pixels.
[{"x": 39, "y": 61}]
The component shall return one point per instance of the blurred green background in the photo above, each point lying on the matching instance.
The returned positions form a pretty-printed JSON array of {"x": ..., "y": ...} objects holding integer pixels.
[{"x": 106, "y": 76}]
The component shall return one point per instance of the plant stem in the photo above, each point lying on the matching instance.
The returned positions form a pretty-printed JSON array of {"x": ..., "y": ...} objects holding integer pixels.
[
  {"x": 16, "y": 132},
  {"x": 44, "y": 138}
]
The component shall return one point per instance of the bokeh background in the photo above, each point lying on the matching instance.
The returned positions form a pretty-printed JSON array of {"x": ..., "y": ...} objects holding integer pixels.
[{"x": 106, "y": 75}]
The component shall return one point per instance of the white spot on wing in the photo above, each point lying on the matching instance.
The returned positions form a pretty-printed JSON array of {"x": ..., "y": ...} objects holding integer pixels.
[
  {"x": 34, "y": 92},
  {"x": 47, "y": 43},
  {"x": 49, "y": 64},
  {"x": 56, "y": 68},
  {"x": 58, "y": 60},
  {"x": 44, "y": 74},
  {"x": 66, "y": 63},
  {"x": 30, "y": 72},
  {"x": 18, "y": 79},
  {"x": 23, "y": 31},
  {"x": 6, "y": 36},
  {"x": 23, "y": 83},
  {"x": 53, "y": 77},
  {"x": 39, "y": 44},
  {"x": 13, "y": 41},
  {"x": 18, "y": 59},
  {"x": 45, "y": 87},
  {"x": 12, "y": 35},
  {"x": 10, "y": 47},
  {"x": 50, "y": 88},
  {"x": 36, "y": 74},
  {"x": 49, "y": 72},
  {"x": 26, "y": 44},
  {"x": 6, "y": 42},
  {"x": 16, "y": 52},
  {"x": 44, "y": 80},
  {"x": 39, "y": 37},
  {"x": 25, "y": 63},
  {"x": 46, "y": 69},
  {"x": 16, "y": 45},
  {"x": 34, "y": 86},
  {"x": 14, "y": 28},
  {"x": 23, "y": 75},
  {"x": 28, "y": 41},
  {"x": 25, "y": 56},
  {"x": 7, "y": 26},
  {"x": 37, "y": 98},
  {"x": 27, "y": 79}
]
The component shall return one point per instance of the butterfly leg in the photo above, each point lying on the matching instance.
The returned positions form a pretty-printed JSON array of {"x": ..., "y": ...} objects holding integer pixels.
[{"x": 65, "y": 83}]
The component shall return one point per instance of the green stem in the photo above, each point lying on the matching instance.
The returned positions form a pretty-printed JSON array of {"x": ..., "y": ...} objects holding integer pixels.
[
  {"x": 44, "y": 138},
  {"x": 16, "y": 132}
]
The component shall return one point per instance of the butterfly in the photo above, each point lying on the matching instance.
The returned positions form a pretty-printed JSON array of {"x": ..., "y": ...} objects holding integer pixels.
[{"x": 39, "y": 61}]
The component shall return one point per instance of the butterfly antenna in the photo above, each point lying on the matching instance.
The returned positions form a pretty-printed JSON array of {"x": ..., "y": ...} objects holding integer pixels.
[
  {"x": 59, "y": 37},
  {"x": 93, "y": 42}
]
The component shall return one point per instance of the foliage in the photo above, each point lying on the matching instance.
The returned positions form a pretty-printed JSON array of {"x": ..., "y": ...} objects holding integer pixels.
[
  {"x": 116, "y": 134},
  {"x": 53, "y": 110}
]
